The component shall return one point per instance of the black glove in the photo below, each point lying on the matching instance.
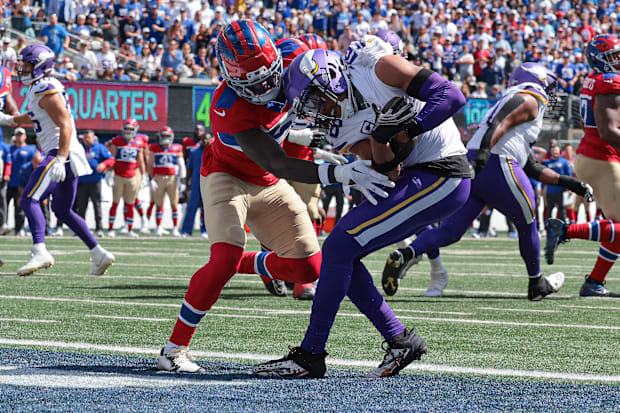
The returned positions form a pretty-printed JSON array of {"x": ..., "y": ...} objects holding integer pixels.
[{"x": 396, "y": 116}]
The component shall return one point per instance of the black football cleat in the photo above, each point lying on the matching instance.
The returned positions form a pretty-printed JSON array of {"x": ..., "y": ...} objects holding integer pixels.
[
  {"x": 298, "y": 363},
  {"x": 400, "y": 352}
]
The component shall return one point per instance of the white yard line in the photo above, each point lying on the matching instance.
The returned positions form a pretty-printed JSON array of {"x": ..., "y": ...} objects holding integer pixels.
[
  {"x": 113, "y": 317},
  {"x": 591, "y": 307},
  {"x": 517, "y": 310},
  {"x": 307, "y": 312},
  {"x": 27, "y": 320},
  {"x": 421, "y": 367}
]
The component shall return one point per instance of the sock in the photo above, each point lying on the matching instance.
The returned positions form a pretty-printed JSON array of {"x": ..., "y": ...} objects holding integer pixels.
[
  {"x": 149, "y": 211},
  {"x": 129, "y": 217},
  {"x": 175, "y": 217},
  {"x": 112, "y": 215},
  {"x": 436, "y": 263},
  {"x": 169, "y": 347},
  {"x": 607, "y": 255},
  {"x": 571, "y": 215},
  {"x": 298, "y": 289},
  {"x": 159, "y": 216},
  {"x": 39, "y": 247},
  {"x": 204, "y": 289},
  {"x": 603, "y": 231},
  {"x": 271, "y": 266},
  {"x": 139, "y": 208}
]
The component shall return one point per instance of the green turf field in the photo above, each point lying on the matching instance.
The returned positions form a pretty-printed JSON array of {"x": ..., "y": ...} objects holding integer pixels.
[{"x": 483, "y": 326}]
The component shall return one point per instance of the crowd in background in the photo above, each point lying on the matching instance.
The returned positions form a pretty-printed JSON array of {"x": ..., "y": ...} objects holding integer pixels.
[{"x": 474, "y": 43}]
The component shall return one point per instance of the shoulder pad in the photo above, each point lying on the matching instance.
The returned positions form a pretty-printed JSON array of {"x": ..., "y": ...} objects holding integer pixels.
[
  {"x": 45, "y": 87},
  {"x": 369, "y": 50},
  {"x": 5, "y": 81}
]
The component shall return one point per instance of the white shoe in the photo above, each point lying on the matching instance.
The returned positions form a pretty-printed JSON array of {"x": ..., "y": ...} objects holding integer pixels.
[
  {"x": 178, "y": 360},
  {"x": 59, "y": 232},
  {"x": 145, "y": 225},
  {"x": 39, "y": 259},
  {"x": 21, "y": 233},
  {"x": 205, "y": 235},
  {"x": 101, "y": 259},
  {"x": 124, "y": 230},
  {"x": 132, "y": 234},
  {"x": 439, "y": 281},
  {"x": 159, "y": 231},
  {"x": 5, "y": 229},
  {"x": 100, "y": 234},
  {"x": 175, "y": 232}
]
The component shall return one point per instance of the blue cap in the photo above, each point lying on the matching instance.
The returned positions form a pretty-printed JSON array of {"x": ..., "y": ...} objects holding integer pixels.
[
  {"x": 152, "y": 40},
  {"x": 139, "y": 37},
  {"x": 129, "y": 41}
]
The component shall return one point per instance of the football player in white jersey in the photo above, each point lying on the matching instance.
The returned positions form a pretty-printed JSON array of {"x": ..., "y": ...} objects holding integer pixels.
[
  {"x": 50, "y": 114},
  {"x": 413, "y": 129}
]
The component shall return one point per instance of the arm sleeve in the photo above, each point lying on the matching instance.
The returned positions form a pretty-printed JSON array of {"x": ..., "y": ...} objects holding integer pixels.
[{"x": 181, "y": 165}]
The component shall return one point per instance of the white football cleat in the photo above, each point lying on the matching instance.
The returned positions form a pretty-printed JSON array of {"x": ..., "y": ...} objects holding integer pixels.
[
  {"x": 159, "y": 231},
  {"x": 178, "y": 360},
  {"x": 175, "y": 232},
  {"x": 132, "y": 234},
  {"x": 111, "y": 233},
  {"x": 100, "y": 234},
  {"x": 439, "y": 281},
  {"x": 59, "y": 232},
  {"x": 205, "y": 235},
  {"x": 124, "y": 230},
  {"x": 39, "y": 259},
  {"x": 101, "y": 259},
  {"x": 145, "y": 225}
]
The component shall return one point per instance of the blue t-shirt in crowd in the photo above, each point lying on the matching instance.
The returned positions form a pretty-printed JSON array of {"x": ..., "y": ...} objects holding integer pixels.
[
  {"x": 172, "y": 59},
  {"x": 95, "y": 155},
  {"x": 55, "y": 37},
  {"x": 194, "y": 163},
  {"x": 21, "y": 157},
  {"x": 5, "y": 157},
  {"x": 562, "y": 167}
]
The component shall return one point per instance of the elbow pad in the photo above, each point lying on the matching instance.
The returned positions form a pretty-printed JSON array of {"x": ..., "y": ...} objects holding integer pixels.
[
  {"x": 443, "y": 99},
  {"x": 532, "y": 168}
]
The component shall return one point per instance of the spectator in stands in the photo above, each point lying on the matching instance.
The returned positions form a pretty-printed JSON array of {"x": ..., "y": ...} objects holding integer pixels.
[
  {"x": 481, "y": 91},
  {"x": 85, "y": 56},
  {"x": 172, "y": 58},
  {"x": 129, "y": 27},
  {"x": 9, "y": 56},
  {"x": 158, "y": 76},
  {"x": 138, "y": 44},
  {"x": 466, "y": 63},
  {"x": 121, "y": 10},
  {"x": 119, "y": 73},
  {"x": 435, "y": 52},
  {"x": 197, "y": 73},
  {"x": 346, "y": 38},
  {"x": 93, "y": 26},
  {"x": 21, "y": 43},
  {"x": 110, "y": 26},
  {"x": 70, "y": 72},
  {"x": 188, "y": 25},
  {"x": 567, "y": 74},
  {"x": 105, "y": 58},
  {"x": 450, "y": 54},
  {"x": 206, "y": 13},
  {"x": 127, "y": 51},
  {"x": 360, "y": 26},
  {"x": 55, "y": 36},
  {"x": 21, "y": 21},
  {"x": 377, "y": 23},
  {"x": 86, "y": 72},
  {"x": 496, "y": 92},
  {"x": 144, "y": 77},
  {"x": 176, "y": 32},
  {"x": 492, "y": 73},
  {"x": 80, "y": 28},
  {"x": 156, "y": 24},
  {"x": 201, "y": 58},
  {"x": 147, "y": 61},
  {"x": 107, "y": 71}
]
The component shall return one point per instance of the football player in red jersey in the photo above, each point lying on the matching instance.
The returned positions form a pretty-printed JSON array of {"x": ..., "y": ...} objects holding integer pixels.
[
  {"x": 128, "y": 150},
  {"x": 166, "y": 167},
  {"x": 240, "y": 182},
  {"x": 597, "y": 163}
]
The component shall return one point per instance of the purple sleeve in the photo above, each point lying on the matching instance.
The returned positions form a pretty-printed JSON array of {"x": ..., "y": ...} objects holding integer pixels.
[{"x": 443, "y": 99}]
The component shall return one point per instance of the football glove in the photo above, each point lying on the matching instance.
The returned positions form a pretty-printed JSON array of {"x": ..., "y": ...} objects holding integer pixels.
[
  {"x": 109, "y": 178},
  {"x": 330, "y": 156},
  {"x": 397, "y": 115},
  {"x": 144, "y": 183},
  {"x": 6, "y": 119},
  {"x": 361, "y": 176},
  {"x": 57, "y": 171},
  {"x": 153, "y": 184},
  {"x": 313, "y": 138}
]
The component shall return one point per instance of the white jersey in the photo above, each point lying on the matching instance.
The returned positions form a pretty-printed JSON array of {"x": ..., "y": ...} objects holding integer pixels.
[
  {"x": 518, "y": 140},
  {"x": 47, "y": 131},
  {"x": 438, "y": 143}
]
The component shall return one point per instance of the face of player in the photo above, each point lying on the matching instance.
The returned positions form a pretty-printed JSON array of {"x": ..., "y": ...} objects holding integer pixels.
[
  {"x": 614, "y": 60},
  {"x": 25, "y": 69},
  {"x": 321, "y": 109}
]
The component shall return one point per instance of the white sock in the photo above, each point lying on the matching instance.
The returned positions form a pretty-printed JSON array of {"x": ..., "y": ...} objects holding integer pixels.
[
  {"x": 97, "y": 249},
  {"x": 169, "y": 347},
  {"x": 39, "y": 247},
  {"x": 436, "y": 263}
]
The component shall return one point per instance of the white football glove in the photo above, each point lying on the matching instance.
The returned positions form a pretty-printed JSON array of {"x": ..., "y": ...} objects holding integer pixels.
[
  {"x": 144, "y": 183},
  {"x": 6, "y": 119},
  {"x": 109, "y": 178},
  {"x": 154, "y": 185},
  {"x": 57, "y": 170},
  {"x": 330, "y": 156},
  {"x": 589, "y": 196},
  {"x": 306, "y": 137},
  {"x": 361, "y": 175}
]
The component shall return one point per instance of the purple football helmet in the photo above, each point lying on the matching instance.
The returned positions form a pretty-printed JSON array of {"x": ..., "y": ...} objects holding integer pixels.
[
  {"x": 42, "y": 59},
  {"x": 539, "y": 75},
  {"x": 393, "y": 39},
  {"x": 315, "y": 82}
]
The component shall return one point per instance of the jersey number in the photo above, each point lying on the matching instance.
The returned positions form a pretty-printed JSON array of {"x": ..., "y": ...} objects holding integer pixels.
[
  {"x": 585, "y": 109},
  {"x": 128, "y": 154}
]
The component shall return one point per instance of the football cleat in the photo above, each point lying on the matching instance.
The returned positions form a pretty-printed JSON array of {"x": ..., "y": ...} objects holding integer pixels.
[
  {"x": 5, "y": 229},
  {"x": 298, "y": 363},
  {"x": 124, "y": 230},
  {"x": 439, "y": 281},
  {"x": 175, "y": 232},
  {"x": 395, "y": 269},
  {"x": 277, "y": 288},
  {"x": 144, "y": 228},
  {"x": 178, "y": 360},
  {"x": 111, "y": 233},
  {"x": 100, "y": 234},
  {"x": 204, "y": 235},
  {"x": 59, "y": 232},
  {"x": 541, "y": 287},
  {"x": 132, "y": 234},
  {"x": 159, "y": 231},
  {"x": 304, "y": 291},
  {"x": 39, "y": 260},
  {"x": 556, "y": 235},
  {"x": 400, "y": 352},
  {"x": 101, "y": 259},
  {"x": 594, "y": 288}
]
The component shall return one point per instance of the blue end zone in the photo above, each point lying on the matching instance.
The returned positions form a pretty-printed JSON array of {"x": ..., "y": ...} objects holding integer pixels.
[{"x": 231, "y": 387}]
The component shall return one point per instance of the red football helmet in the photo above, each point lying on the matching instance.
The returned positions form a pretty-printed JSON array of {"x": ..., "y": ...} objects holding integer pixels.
[
  {"x": 603, "y": 53},
  {"x": 130, "y": 129},
  {"x": 290, "y": 48},
  {"x": 166, "y": 136},
  {"x": 249, "y": 61},
  {"x": 313, "y": 41}
]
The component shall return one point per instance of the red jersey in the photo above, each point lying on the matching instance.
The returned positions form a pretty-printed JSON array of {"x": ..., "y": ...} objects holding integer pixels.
[
  {"x": 231, "y": 114},
  {"x": 591, "y": 144},
  {"x": 190, "y": 143},
  {"x": 165, "y": 158},
  {"x": 127, "y": 155}
]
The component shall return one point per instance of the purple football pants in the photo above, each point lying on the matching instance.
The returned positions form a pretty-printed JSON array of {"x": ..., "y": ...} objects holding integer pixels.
[
  {"x": 502, "y": 185},
  {"x": 39, "y": 187},
  {"x": 419, "y": 199}
]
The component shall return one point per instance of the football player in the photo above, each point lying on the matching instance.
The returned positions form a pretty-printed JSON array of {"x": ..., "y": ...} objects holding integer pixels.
[
  {"x": 240, "y": 182},
  {"x": 415, "y": 128},
  {"x": 167, "y": 170},
  {"x": 7, "y": 105},
  {"x": 597, "y": 163},
  {"x": 194, "y": 202},
  {"x": 50, "y": 114},
  {"x": 129, "y": 169},
  {"x": 503, "y": 162}
]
